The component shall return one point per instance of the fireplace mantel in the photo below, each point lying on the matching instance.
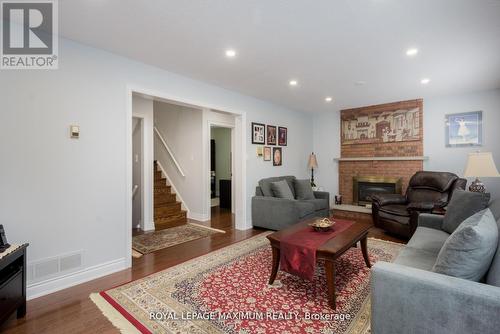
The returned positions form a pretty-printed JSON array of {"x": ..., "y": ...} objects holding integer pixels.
[{"x": 416, "y": 158}]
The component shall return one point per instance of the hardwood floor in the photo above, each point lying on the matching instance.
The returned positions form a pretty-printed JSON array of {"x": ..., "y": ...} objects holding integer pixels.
[{"x": 71, "y": 310}]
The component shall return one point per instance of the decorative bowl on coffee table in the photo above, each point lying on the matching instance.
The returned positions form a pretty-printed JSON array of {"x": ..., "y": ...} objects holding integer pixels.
[{"x": 322, "y": 225}]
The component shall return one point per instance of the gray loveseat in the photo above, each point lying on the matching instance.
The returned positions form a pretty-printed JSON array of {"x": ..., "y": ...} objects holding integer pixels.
[
  {"x": 277, "y": 213},
  {"x": 407, "y": 297}
]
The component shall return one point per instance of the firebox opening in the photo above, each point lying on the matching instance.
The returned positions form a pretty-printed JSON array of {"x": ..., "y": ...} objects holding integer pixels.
[{"x": 366, "y": 186}]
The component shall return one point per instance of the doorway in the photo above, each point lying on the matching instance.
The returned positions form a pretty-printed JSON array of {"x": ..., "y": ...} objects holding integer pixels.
[{"x": 221, "y": 168}]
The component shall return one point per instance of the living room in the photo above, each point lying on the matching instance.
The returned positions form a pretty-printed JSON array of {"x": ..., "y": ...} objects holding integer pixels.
[{"x": 328, "y": 95}]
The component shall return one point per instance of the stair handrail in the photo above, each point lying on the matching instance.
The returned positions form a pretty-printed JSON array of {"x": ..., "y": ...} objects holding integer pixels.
[{"x": 176, "y": 163}]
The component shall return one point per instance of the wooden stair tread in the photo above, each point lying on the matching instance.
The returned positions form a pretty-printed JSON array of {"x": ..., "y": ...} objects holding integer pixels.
[{"x": 167, "y": 210}]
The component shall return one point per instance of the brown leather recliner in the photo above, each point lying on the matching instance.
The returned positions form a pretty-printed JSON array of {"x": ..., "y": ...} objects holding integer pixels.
[{"x": 427, "y": 191}]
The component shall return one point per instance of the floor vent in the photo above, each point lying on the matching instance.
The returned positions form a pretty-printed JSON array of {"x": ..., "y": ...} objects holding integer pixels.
[{"x": 54, "y": 266}]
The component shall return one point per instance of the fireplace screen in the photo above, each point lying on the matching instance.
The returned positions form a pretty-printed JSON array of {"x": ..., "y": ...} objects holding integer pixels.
[{"x": 366, "y": 186}]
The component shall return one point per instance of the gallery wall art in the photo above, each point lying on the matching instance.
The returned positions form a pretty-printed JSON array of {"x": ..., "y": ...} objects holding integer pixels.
[
  {"x": 464, "y": 129},
  {"x": 361, "y": 126},
  {"x": 258, "y": 133},
  {"x": 282, "y": 136},
  {"x": 277, "y": 156},
  {"x": 271, "y": 135}
]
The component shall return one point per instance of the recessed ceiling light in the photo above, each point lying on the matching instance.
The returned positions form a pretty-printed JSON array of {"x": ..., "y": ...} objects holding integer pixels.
[
  {"x": 230, "y": 53},
  {"x": 411, "y": 52},
  {"x": 293, "y": 83},
  {"x": 425, "y": 81},
  {"x": 328, "y": 99}
]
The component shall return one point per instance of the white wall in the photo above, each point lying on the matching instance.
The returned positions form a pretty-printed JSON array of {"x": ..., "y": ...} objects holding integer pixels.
[
  {"x": 454, "y": 159},
  {"x": 222, "y": 138},
  {"x": 181, "y": 127},
  {"x": 137, "y": 171},
  {"x": 143, "y": 108},
  {"x": 327, "y": 147},
  {"x": 62, "y": 195},
  {"x": 442, "y": 158}
]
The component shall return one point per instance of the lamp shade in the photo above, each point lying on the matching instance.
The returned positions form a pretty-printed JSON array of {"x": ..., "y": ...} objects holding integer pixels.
[
  {"x": 313, "y": 163},
  {"x": 481, "y": 164}
]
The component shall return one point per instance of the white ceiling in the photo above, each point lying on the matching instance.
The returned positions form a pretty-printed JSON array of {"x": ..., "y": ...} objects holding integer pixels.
[{"x": 327, "y": 45}]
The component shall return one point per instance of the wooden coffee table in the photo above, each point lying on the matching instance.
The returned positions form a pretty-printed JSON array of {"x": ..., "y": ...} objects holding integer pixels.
[{"x": 329, "y": 251}]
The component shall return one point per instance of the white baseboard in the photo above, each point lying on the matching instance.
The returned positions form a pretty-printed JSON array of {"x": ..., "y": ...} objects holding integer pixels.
[
  {"x": 198, "y": 216},
  {"x": 43, "y": 288}
]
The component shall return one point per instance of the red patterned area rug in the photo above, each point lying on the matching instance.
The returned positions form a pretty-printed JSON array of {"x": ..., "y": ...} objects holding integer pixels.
[{"x": 226, "y": 291}]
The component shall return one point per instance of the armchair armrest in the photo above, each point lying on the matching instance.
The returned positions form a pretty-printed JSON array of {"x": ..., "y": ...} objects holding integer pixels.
[
  {"x": 274, "y": 213},
  {"x": 426, "y": 302},
  {"x": 431, "y": 221},
  {"x": 323, "y": 195},
  {"x": 421, "y": 206},
  {"x": 386, "y": 199}
]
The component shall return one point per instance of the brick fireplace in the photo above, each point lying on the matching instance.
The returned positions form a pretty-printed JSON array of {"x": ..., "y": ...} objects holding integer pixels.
[{"x": 384, "y": 141}]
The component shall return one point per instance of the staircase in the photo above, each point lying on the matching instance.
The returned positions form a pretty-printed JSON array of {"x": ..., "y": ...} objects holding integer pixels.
[{"x": 167, "y": 210}]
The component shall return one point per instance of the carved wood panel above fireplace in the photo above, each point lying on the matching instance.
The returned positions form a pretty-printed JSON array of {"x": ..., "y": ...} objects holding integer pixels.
[
  {"x": 387, "y": 159},
  {"x": 366, "y": 186}
]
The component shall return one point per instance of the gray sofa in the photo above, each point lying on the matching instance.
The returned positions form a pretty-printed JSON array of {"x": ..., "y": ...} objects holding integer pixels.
[
  {"x": 407, "y": 297},
  {"x": 277, "y": 213}
]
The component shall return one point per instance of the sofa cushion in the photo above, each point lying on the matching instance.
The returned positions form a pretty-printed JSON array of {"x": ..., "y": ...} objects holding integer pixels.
[
  {"x": 305, "y": 208},
  {"x": 319, "y": 203},
  {"x": 469, "y": 250},
  {"x": 395, "y": 209},
  {"x": 493, "y": 276},
  {"x": 265, "y": 184},
  {"x": 303, "y": 189},
  {"x": 416, "y": 258},
  {"x": 463, "y": 204},
  {"x": 428, "y": 239},
  {"x": 281, "y": 189},
  {"x": 404, "y": 220}
]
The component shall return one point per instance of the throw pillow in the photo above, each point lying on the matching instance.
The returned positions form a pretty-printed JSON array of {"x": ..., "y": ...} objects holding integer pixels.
[
  {"x": 281, "y": 189},
  {"x": 463, "y": 204},
  {"x": 467, "y": 253},
  {"x": 303, "y": 189}
]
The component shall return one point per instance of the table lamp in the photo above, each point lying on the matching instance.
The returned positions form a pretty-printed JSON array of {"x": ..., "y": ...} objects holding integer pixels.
[
  {"x": 480, "y": 164},
  {"x": 312, "y": 163}
]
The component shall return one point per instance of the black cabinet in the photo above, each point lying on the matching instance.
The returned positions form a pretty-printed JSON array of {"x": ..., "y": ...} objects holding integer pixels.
[
  {"x": 13, "y": 283},
  {"x": 225, "y": 194}
]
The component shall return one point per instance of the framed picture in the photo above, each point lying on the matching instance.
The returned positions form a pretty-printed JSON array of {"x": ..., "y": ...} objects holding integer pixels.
[
  {"x": 282, "y": 136},
  {"x": 277, "y": 156},
  {"x": 464, "y": 129},
  {"x": 259, "y": 151},
  {"x": 258, "y": 133},
  {"x": 271, "y": 135},
  {"x": 267, "y": 153}
]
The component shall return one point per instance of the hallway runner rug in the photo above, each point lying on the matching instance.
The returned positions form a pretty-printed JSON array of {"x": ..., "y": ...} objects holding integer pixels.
[
  {"x": 226, "y": 291},
  {"x": 150, "y": 242}
]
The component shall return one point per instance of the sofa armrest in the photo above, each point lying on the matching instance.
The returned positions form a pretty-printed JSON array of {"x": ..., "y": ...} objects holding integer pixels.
[
  {"x": 431, "y": 221},
  {"x": 426, "y": 302},
  {"x": 386, "y": 199},
  {"x": 274, "y": 213},
  {"x": 323, "y": 195}
]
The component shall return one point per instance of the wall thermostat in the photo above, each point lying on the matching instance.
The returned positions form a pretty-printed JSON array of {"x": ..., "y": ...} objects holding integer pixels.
[{"x": 74, "y": 131}]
